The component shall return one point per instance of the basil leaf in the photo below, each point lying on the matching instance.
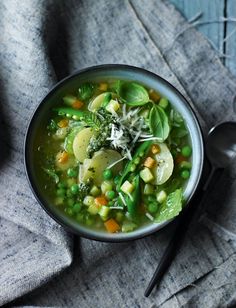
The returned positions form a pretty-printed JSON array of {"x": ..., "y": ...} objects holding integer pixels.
[
  {"x": 85, "y": 91},
  {"x": 133, "y": 94},
  {"x": 171, "y": 207},
  {"x": 159, "y": 124}
]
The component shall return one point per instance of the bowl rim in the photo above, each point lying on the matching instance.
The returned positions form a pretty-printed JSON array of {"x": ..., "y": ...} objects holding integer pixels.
[{"x": 104, "y": 67}]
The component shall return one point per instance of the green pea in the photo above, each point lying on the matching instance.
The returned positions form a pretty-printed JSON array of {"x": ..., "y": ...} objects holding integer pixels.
[
  {"x": 107, "y": 174},
  {"x": 141, "y": 154},
  {"x": 132, "y": 168},
  {"x": 71, "y": 172},
  {"x": 152, "y": 207},
  {"x": 186, "y": 151},
  {"x": 79, "y": 217},
  {"x": 185, "y": 174},
  {"x": 89, "y": 221},
  {"x": 74, "y": 189},
  {"x": 137, "y": 160},
  {"x": 119, "y": 216},
  {"x": 61, "y": 192},
  {"x": 70, "y": 202},
  {"x": 69, "y": 193},
  {"x": 61, "y": 185},
  {"x": 110, "y": 203},
  {"x": 185, "y": 165},
  {"x": 69, "y": 211},
  {"x": 71, "y": 182},
  {"x": 110, "y": 194},
  {"x": 116, "y": 179},
  {"x": 151, "y": 198},
  {"x": 163, "y": 102},
  {"x": 77, "y": 207}
]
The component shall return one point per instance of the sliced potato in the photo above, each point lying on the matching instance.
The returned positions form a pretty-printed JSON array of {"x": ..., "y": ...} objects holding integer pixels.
[
  {"x": 93, "y": 168},
  {"x": 81, "y": 142},
  {"x": 164, "y": 166},
  {"x": 97, "y": 102}
]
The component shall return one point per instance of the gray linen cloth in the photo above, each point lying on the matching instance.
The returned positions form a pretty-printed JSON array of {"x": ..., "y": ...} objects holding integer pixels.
[{"x": 41, "y": 42}]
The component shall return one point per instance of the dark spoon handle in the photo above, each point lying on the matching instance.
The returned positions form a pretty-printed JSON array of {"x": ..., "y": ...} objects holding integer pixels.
[{"x": 183, "y": 221}]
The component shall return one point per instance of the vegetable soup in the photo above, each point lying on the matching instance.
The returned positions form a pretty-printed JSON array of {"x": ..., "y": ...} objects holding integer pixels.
[{"x": 114, "y": 156}]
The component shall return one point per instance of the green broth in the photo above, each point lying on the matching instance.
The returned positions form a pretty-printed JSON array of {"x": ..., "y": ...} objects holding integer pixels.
[{"x": 114, "y": 156}]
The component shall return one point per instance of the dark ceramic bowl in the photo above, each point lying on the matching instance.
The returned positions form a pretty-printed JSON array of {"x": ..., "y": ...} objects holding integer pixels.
[{"x": 41, "y": 116}]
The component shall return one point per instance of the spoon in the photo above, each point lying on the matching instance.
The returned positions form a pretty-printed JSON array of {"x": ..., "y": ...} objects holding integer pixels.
[{"x": 220, "y": 150}]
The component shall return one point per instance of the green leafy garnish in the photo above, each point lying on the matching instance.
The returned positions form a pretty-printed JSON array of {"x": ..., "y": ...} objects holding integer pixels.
[
  {"x": 52, "y": 126},
  {"x": 52, "y": 174},
  {"x": 92, "y": 120},
  {"x": 171, "y": 207},
  {"x": 177, "y": 118},
  {"x": 85, "y": 91},
  {"x": 178, "y": 132},
  {"x": 159, "y": 124},
  {"x": 68, "y": 144},
  {"x": 133, "y": 94}
]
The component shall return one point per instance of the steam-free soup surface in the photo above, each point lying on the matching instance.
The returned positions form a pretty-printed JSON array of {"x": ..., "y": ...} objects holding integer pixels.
[{"x": 115, "y": 155}]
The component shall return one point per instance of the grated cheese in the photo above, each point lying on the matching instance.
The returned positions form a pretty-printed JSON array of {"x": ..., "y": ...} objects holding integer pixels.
[
  {"x": 116, "y": 208},
  {"x": 149, "y": 216},
  {"x": 127, "y": 129},
  {"x": 116, "y": 162},
  {"x": 122, "y": 199}
]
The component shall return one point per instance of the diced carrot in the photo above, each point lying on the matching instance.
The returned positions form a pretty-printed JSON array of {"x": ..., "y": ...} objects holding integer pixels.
[
  {"x": 155, "y": 149},
  {"x": 101, "y": 200},
  {"x": 149, "y": 162},
  {"x": 154, "y": 95},
  {"x": 103, "y": 86},
  {"x": 62, "y": 157},
  {"x": 111, "y": 225},
  {"x": 77, "y": 104},
  {"x": 63, "y": 123},
  {"x": 179, "y": 159}
]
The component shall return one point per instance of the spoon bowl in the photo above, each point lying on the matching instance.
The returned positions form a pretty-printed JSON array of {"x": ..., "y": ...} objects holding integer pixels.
[
  {"x": 220, "y": 150},
  {"x": 221, "y": 144}
]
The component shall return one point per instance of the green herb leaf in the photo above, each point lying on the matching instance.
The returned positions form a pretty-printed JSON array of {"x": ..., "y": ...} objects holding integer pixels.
[
  {"x": 92, "y": 120},
  {"x": 52, "y": 174},
  {"x": 177, "y": 118},
  {"x": 85, "y": 91},
  {"x": 159, "y": 124},
  {"x": 52, "y": 126},
  {"x": 178, "y": 132},
  {"x": 115, "y": 86},
  {"x": 171, "y": 207},
  {"x": 133, "y": 94}
]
